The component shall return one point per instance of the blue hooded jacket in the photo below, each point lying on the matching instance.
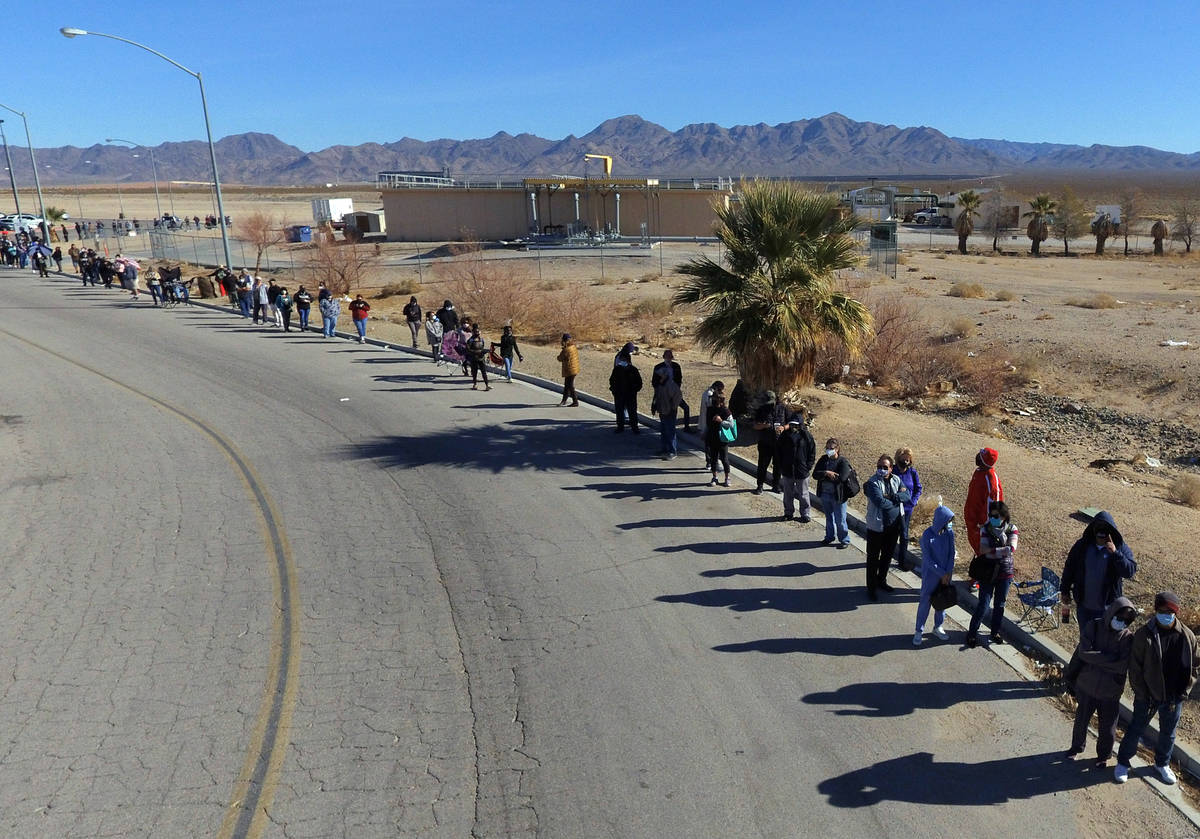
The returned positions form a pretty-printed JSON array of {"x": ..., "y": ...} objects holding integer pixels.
[{"x": 937, "y": 549}]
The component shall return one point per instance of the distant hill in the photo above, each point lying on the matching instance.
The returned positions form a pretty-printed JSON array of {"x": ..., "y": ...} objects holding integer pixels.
[{"x": 832, "y": 145}]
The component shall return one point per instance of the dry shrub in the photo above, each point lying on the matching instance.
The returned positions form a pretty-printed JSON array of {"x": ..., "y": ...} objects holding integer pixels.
[
  {"x": 493, "y": 293},
  {"x": 577, "y": 312},
  {"x": 983, "y": 424},
  {"x": 1186, "y": 490},
  {"x": 922, "y": 515},
  {"x": 648, "y": 278},
  {"x": 832, "y": 356},
  {"x": 551, "y": 285},
  {"x": 1029, "y": 365},
  {"x": 340, "y": 267},
  {"x": 1096, "y": 301},
  {"x": 402, "y": 287},
  {"x": 610, "y": 280},
  {"x": 900, "y": 335},
  {"x": 970, "y": 290},
  {"x": 1004, "y": 295},
  {"x": 986, "y": 379},
  {"x": 960, "y": 328},
  {"x": 938, "y": 363},
  {"x": 652, "y": 306}
]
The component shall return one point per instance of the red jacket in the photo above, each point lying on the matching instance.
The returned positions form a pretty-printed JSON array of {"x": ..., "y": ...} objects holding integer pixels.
[
  {"x": 985, "y": 488},
  {"x": 359, "y": 309}
]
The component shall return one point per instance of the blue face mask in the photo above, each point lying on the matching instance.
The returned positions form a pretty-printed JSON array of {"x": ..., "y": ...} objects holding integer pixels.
[
  {"x": 996, "y": 521},
  {"x": 1164, "y": 620},
  {"x": 883, "y": 473}
]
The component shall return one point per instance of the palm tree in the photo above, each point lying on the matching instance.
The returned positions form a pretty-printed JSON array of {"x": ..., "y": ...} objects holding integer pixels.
[
  {"x": 964, "y": 225},
  {"x": 1038, "y": 231},
  {"x": 1158, "y": 232},
  {"x": 55, "y": 215},
  {"x": 776, "y": 303},
  {"x": 1102, "y": 228}
]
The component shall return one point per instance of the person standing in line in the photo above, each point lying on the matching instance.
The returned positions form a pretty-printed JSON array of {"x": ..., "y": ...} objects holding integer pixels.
[
  {"x": 477, "y": 355},
  {"x": 303, "y": 301},
  {"x": 57, "y": 257},
  {"x": 795, "y": 454},
  {"x": 433, "y": 334},
  {"x": 1164, "y": 664},
  {"x": 568, "y": 357},
  {"x": 283, "y": 305},
  {"x": 886, "y": 498},
  {"x": 624, "y": 382},
  {"x": 330, "y": 308},
  {"x": 412, "y": 315},
  {"x": 245, "y": 294},
  {"x": 1095, "y": 567},
  {"x": 224, "y": 279},
  {"x": 272, "y": 303},
  {"x": 984, "y": 489},
  {"x": 448, "y": 316},
  {"x": 998, "y": 538},
  {"x": 702, "y": 418},
  {"x": 154, "y": 283},
  {"x": 769, "y": 420},
  {"x": 462, "y": 334},
  {"x": 41, "y": 263},
  {"x": 508, "y": 346},
  {"x": 359, "y": 310},
  {"x": 669, "y": 366},
  {"x": 937, "y": 567},
  {"x": 667, "y": 399},
  {"x": 260, "y": 300},
  {"x": 832, "y": 471},
  {"x": 74, "y": 252},
  {"x": 719, "y": 418},
  {"x": 1103, "y": 654},
  {"x": 907, "y": 473}
]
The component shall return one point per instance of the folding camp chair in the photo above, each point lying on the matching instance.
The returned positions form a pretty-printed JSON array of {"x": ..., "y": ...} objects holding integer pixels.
[{"x": 1040, "y": 599}]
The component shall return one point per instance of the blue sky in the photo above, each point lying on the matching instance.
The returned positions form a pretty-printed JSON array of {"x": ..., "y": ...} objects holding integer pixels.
[{"x": 317, "y": 74}]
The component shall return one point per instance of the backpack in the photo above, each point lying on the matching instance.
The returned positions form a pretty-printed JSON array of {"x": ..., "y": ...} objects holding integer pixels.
[{"x": 852, "y": 485}]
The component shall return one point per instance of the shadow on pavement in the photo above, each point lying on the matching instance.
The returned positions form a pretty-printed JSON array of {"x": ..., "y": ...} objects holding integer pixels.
[
  {"x": 886, "y": 699},
  {"x": 648, "y": 491},
  {"x": 920, "y": 779},
  {"x": 682, "y": 523},
  {"x": 862, "y": 647},
  {"x": 817, "y": 600},
  {"x": 791, "y": 569}
]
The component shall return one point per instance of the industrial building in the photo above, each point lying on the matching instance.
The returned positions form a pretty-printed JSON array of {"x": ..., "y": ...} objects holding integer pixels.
[{"x": 432, "y": 207}]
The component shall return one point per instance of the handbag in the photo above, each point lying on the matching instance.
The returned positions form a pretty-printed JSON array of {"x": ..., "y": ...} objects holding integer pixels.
[
  {"x": 728, "y": 435},
  {"x": 943, "y": 597},
  {"x": 983, "y": 568}
]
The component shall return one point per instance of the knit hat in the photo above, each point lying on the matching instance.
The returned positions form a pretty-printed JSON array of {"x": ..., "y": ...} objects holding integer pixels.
[
  {"x": 989, "y": 457},
  {"x": 566, "y": 336},
  {"x": 1168, "y": 600}
]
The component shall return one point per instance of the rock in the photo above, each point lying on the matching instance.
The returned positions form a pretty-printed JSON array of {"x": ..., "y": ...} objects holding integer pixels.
[{"x": 1072, "y": 408}]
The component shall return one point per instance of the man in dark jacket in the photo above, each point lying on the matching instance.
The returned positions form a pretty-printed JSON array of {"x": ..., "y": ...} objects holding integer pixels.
[
  {"x": 412, "y": 315},
  {"x": 1095, "y": 566},
  {"x": 795, "y": 454},
  {"x": 1103, "y": 658},
  {"x": 448, "y": 316},
  {"x": 671, "y": 366},
  {"x": 769, "y": 420},
  {"x": 625, "y": 381},
  {"x": 1163, "y": 666}
]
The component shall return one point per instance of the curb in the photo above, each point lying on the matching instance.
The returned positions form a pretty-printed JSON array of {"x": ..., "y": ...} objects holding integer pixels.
[{"x": 1046, "y": 648}]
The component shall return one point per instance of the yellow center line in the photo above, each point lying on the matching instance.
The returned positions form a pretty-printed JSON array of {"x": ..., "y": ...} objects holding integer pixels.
[{"x": 254, "y": 787}]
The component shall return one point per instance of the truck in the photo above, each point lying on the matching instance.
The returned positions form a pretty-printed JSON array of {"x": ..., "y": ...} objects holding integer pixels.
[{"x": 331, "y": 210}]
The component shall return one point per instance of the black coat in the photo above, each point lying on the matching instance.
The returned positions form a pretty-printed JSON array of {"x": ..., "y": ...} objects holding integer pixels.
[
  {"x": 841, "y": 466},
  {"x": 624, "y": 382},
  {"x": 795, "y": 452}
]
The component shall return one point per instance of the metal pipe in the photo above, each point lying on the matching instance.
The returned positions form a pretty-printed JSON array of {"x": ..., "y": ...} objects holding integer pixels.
[{"x": 11, "y": 176}]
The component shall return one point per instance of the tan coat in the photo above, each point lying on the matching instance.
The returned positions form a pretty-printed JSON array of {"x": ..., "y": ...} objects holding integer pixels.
[{"x": 570, "y": 359}]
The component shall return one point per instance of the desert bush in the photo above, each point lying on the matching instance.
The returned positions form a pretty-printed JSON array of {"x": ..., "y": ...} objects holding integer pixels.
[
  {"x": 832, "y": 356},
  {"x": 575, "y": 311},
  {"x": 401, "y": 287},
  {"x": 648, "y": 278},
  {"x": 551, "y": 285},
  {"x": 1096, "y": 301},
  {"x": 1004, "y": 295},
  {"x": 1186, "y": 490},
  {"x": 899, "y": 335},
  {"x": 922, "y": 515},
  {"x": 652, "y": 306},
  {"x": 340, "y": 267},
  {"x": 1029, "y": 365},
  {"x": 494, "y": 293},
  {"x": 968, "y": 290},
  {"x": 938, "y": 363},
  {"x": 960, "y": 328},
  {"x": 610, "y": 280},
  {"x": 986, "y": 379}
]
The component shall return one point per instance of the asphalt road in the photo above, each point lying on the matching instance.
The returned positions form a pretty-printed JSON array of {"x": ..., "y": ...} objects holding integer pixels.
[{"x": 266, "y": 584}]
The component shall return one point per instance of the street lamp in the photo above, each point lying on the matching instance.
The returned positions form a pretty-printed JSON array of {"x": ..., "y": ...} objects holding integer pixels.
[
  {"x": 153, "y": 168},
  {"x": 37, "y": 182},
  {"x": 11, "y": 178},
  {"x": 72, "y": 32}
]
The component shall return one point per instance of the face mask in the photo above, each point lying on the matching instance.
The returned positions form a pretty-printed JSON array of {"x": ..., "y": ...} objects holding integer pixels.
[
  {"x": 1164, "y": 620},
  {"x": 1118, "y": 624},
  {"x": 995, "y": 521},
  {"x": 882, "y": 472},
  {"x": 831, "y": 452}
]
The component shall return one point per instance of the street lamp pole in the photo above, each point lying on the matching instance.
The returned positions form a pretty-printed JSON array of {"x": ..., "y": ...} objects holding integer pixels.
[
  {"x": 12, "y": 179},
  {"x": 153, "y": 168},
  {"x": 37, "y": 181},
  {"x": 71, "y": 32}
]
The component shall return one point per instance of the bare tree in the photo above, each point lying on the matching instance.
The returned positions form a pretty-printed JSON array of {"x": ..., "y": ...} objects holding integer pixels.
[
  {"x": 1131, "y": 207},
  {"x": 999, "y": 216},
  {"x": 1071, "y": 218},
  {"x": 1185, "y": 223},
  {"x": 339, "y": 267},
  {"x": 262, "y": 231}
]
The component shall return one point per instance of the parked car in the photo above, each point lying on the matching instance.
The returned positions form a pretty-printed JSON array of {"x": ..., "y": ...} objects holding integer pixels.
[{"x": 926, "y": 216}]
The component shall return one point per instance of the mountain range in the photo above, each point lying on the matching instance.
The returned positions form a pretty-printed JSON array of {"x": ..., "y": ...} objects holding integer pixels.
[{"x": 828, "y": 146}]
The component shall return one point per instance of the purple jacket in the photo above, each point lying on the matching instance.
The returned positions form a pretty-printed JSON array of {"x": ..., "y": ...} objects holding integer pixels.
[{"x": 912, "y": 483}]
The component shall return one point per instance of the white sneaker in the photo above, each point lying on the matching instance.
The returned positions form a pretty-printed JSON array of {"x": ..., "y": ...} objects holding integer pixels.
[
  {"x": 941, "y": 633},
  {"x": 1121, "y": 773},
  {"x": 918, "y": 639},
  {"x": 1165, "y": 774}
]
